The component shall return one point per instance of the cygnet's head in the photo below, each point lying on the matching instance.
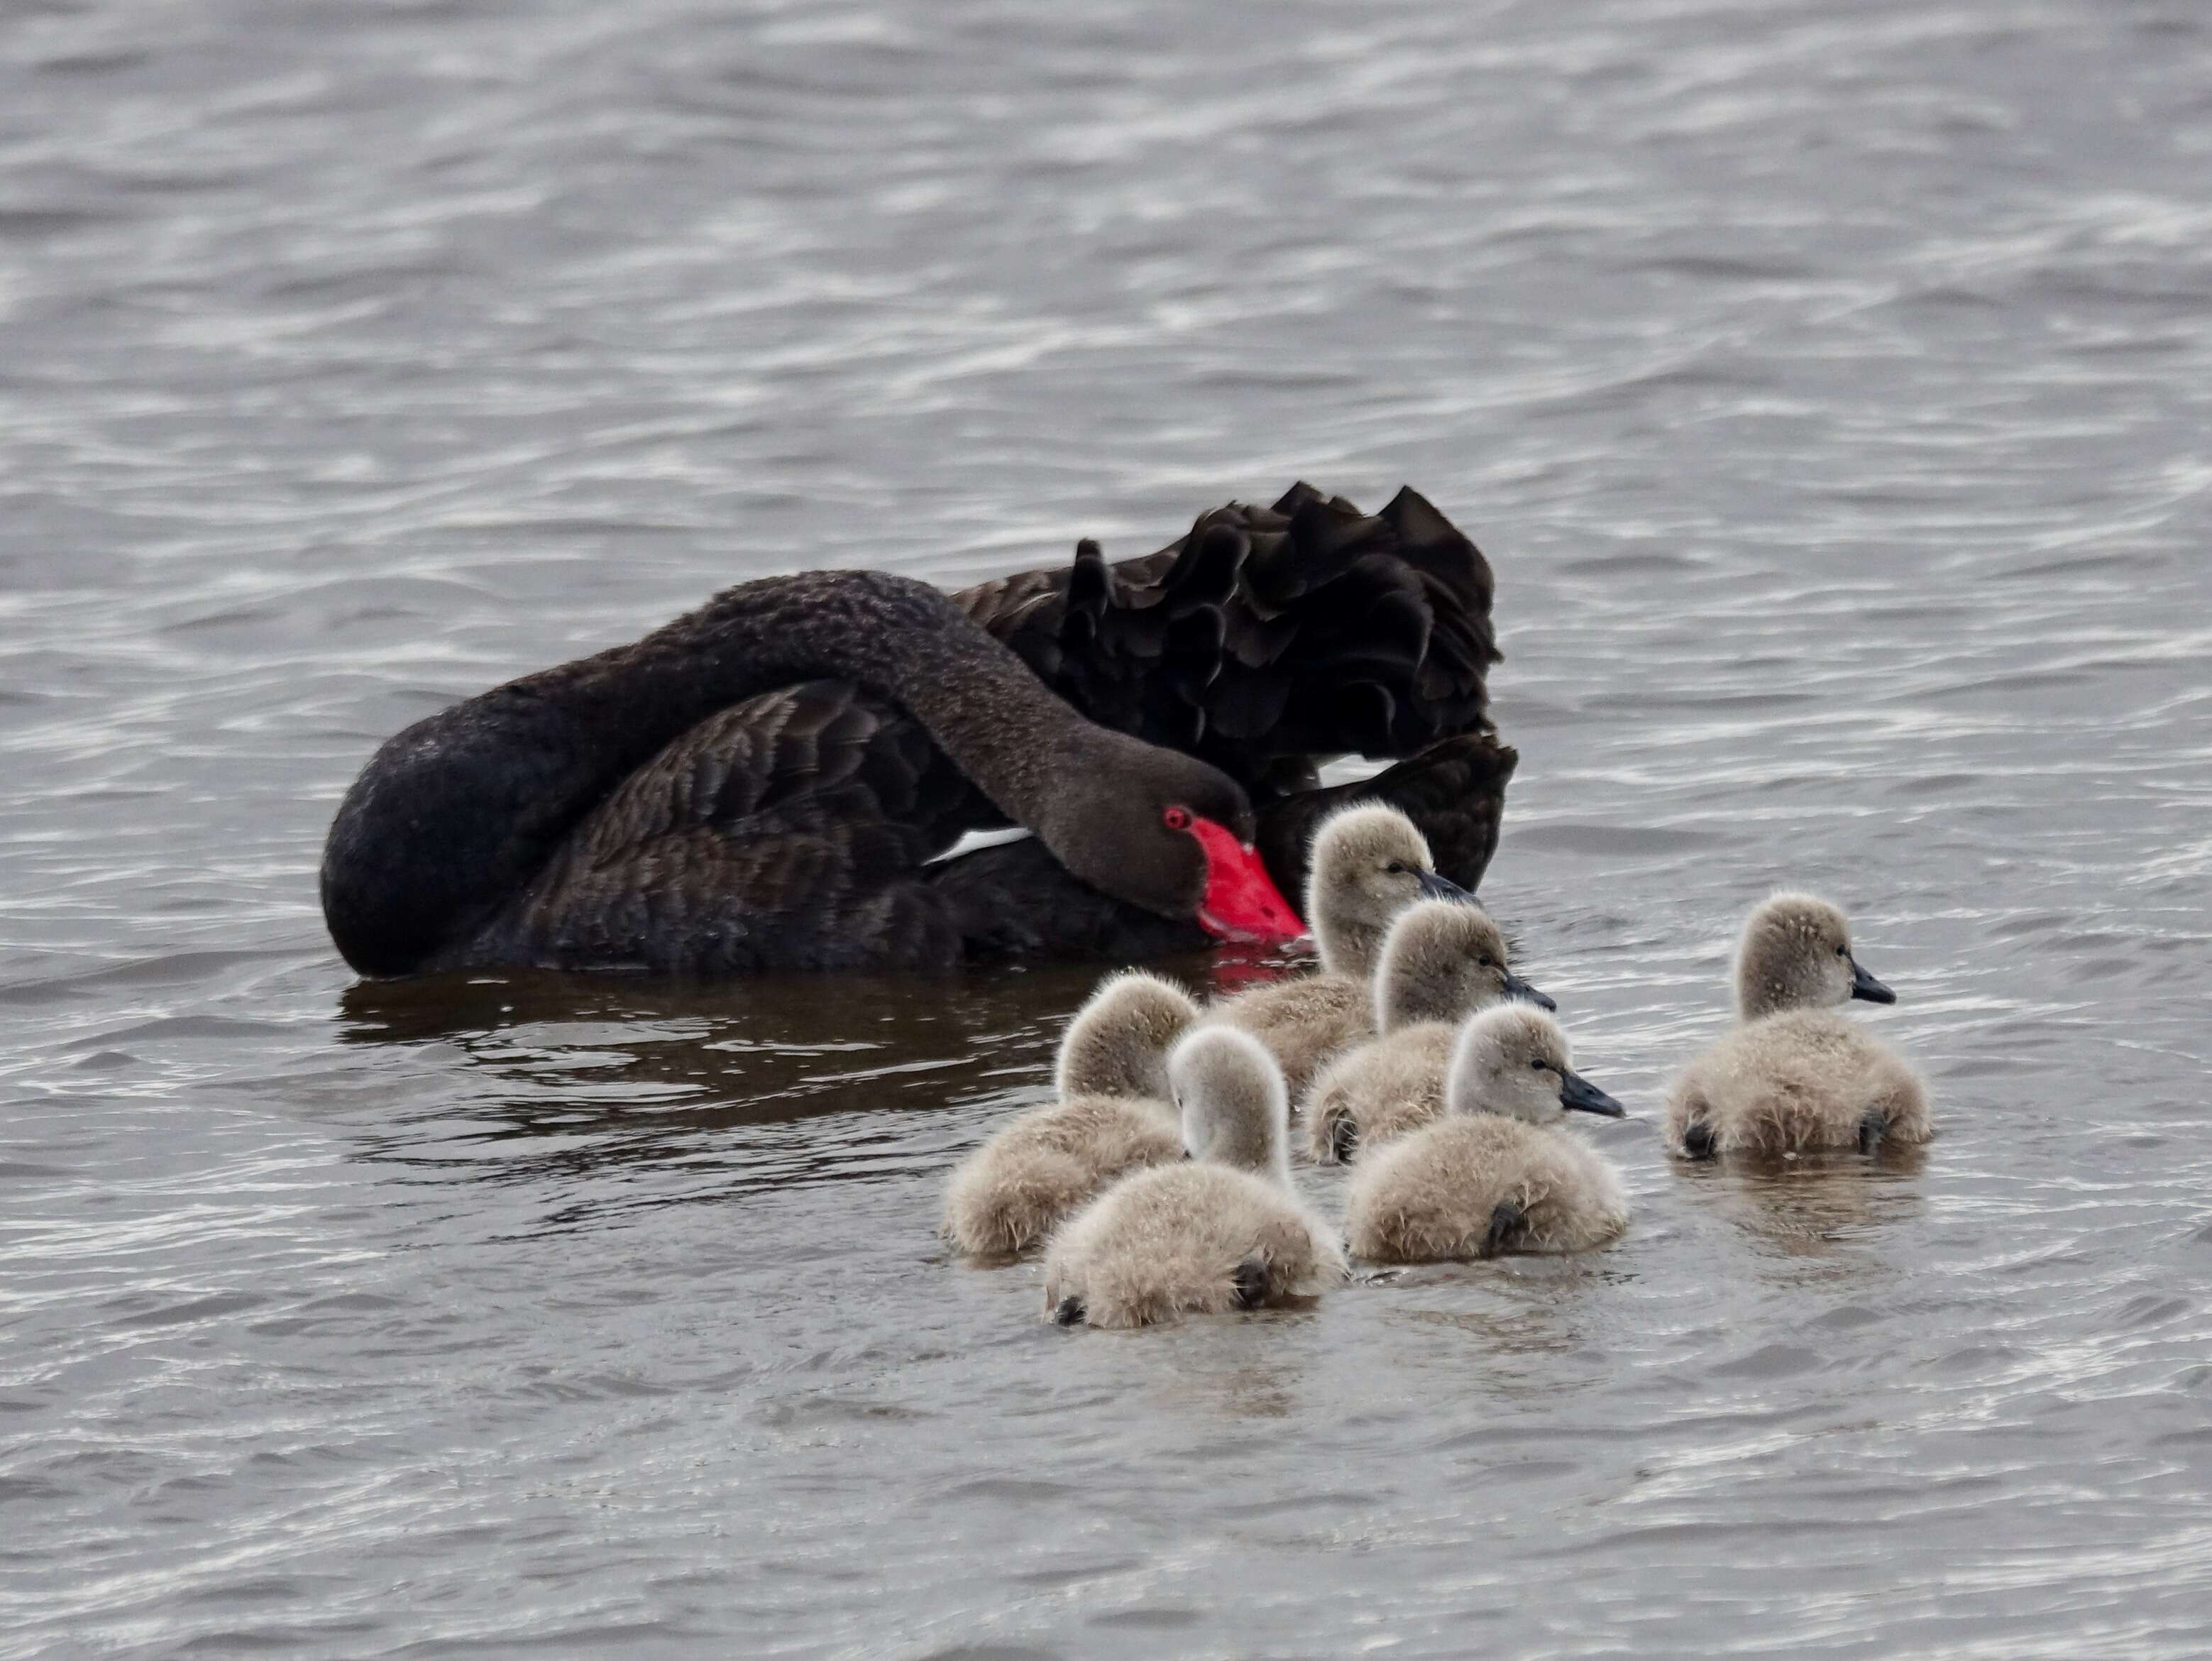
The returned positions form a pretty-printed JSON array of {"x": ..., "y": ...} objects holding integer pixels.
[
  {"x": 1441, "y": 959},
  {"x": 1796, "y": 953},
  {"x": 1514, "y": 1060},
  {"x": 1118, "y": 1042},
  {"x": 1368, "y": 863},
  {"x": 1235, "y": 1111}
]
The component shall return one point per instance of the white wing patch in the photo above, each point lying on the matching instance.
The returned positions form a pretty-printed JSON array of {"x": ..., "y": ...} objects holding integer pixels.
[{"x": 977, "y": 841}]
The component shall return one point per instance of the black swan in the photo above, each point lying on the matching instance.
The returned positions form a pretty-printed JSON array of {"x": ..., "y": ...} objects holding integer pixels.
[{"x": 772, "y": 782}]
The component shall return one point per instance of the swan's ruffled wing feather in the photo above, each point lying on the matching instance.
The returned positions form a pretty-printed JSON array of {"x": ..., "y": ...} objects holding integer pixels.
[{"x": 1308, "y": 628}]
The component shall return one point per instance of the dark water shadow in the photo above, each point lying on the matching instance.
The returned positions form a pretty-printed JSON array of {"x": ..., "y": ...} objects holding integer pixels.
[{"x": 607, "y": 1070}]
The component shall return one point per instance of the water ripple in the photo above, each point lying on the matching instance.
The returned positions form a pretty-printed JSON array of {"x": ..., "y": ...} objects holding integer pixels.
[{"x": 1828, "y": 390}]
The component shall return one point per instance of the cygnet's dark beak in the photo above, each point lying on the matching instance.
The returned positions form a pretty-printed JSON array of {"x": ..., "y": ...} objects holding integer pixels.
[
  {"x": 1518, "y": 988},
  {"x": 1434, "y": 887},
  {"x": 1579, "y": 1093},
  {"x": 1864, "y": 985}
]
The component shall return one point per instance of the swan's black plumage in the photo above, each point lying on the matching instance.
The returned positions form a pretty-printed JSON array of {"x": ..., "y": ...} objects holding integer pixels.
[
  {"x": 1267, "y": 635},
  {"x": 762, "y": 783},
  {"x": 1454, "y": 790},
  {"x": 816, "y": 792}
]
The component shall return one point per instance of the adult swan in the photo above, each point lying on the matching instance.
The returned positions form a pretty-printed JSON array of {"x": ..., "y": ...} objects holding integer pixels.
[{"x": 773, "y": 781}]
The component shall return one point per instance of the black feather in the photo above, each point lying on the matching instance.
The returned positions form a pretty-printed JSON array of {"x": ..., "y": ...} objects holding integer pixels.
[{"x": 1337, "y": 632}]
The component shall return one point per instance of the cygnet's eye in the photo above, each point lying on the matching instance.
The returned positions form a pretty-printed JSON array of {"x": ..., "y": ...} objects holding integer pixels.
[
  {"x": 1536, "y": 1066},
  {"x": 1491, "y": 963},
  {"x": 1395, "y": 868},
  {"x": 1843, "y": 951}
]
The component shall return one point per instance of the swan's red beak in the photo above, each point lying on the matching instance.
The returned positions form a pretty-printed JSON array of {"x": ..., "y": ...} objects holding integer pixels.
[{"x": 1242, "y": 902}]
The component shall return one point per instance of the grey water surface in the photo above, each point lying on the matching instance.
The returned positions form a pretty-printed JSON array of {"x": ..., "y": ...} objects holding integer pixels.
[{"x": 1831, "y": 386}]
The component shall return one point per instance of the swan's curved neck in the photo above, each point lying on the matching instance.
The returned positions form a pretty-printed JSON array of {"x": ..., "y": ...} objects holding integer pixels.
[{"x": 892, "y": 635}]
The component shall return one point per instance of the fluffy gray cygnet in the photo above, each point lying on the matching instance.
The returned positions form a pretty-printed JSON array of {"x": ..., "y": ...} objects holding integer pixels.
[
  {"x": 1498, "y": 1172},
  {"x": 1114, "y": 1116},
  {"x": 1222, "y": 1231},
  {"x": 1440, "y": 961},
  {"x": 1369, "y": 864},
  {"x": 1797, "y": 1073}
]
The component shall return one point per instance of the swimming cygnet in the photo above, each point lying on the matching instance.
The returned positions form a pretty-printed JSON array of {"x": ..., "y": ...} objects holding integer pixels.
[
  {"x": 1222, "y": 1231},
  {"x": 1370, "y": 863},
  {"x": 1440, "y": 961},
  {"x": 1114, "y": 1116},
  {"x": 1498, "y": 1172},
  {"x": 1797, "y": 1073}
]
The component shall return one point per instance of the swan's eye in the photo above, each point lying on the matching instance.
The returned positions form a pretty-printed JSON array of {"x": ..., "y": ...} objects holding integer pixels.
[
  {"x": 1395, "y": 868},
  {"x": 1176, "y": 818},
  {"x": 1537, "y": 1066},
  {"x": 1843, "y": 952},
  {"x": 1491, "y": 963}
]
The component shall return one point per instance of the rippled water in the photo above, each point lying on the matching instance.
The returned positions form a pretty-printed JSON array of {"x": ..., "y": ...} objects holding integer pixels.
[{"x": 1829, "y": 386}]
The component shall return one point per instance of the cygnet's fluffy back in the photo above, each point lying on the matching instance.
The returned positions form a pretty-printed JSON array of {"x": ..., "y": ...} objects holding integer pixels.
[{"x": 1118, "y": 1042}]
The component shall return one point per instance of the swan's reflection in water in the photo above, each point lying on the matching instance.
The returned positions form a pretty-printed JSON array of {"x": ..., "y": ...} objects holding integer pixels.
[{"x": 541, "y": 1071}]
